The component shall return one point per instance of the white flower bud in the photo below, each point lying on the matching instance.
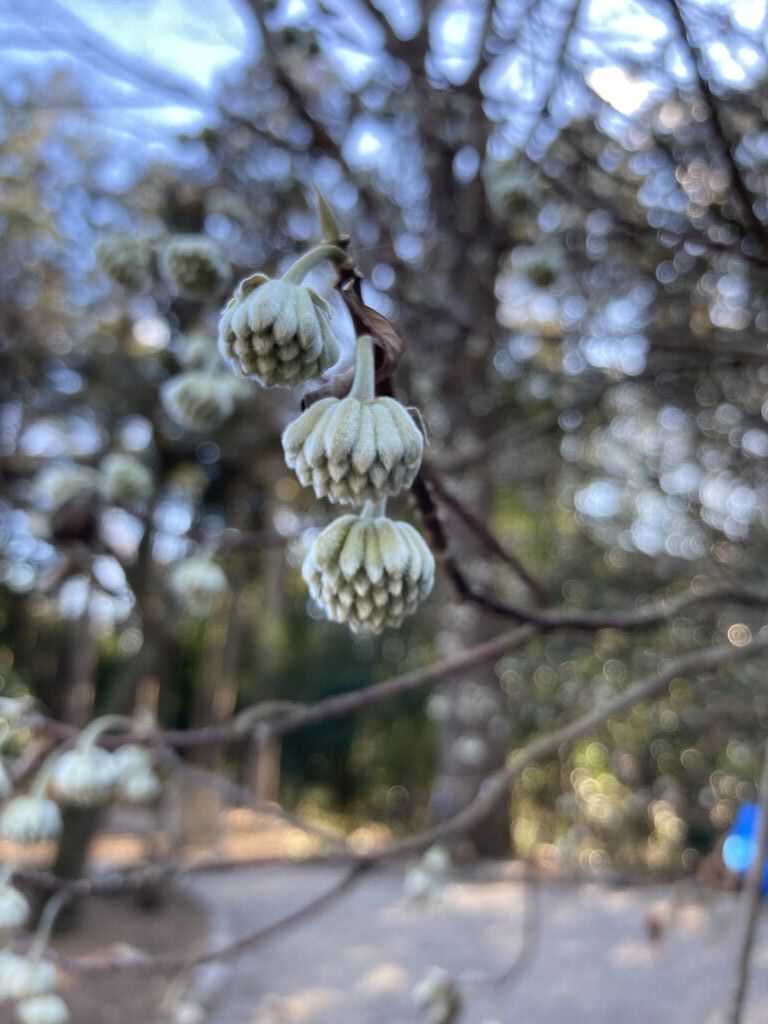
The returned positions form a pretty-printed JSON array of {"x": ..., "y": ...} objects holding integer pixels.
[
  {"x": 48, "y": 1009},
  {"x": 369, "y": 571},
  {"x": 127, "y": 260},
  {"x": 14, "y": 910},
  {"x": 198, "y": 352},
  {"x": 23, "y": 977},
  {"x": 437, "y": 996},
  {"x": 198, "y": 582},
  {"x": 139, "y": 788},
  {"x": 136, "y": 781},
  {"x": 84, "y": 776},
  {"x": 421, "y": 885},
  {"x": 277, "y": 332},
  {"x": 358, "y": 448},
  {"x": 437, "y": 860},
  {"x": 439, "y": 707},
  {"x": 193, "y": 266},
  {"x": 59, "y": 482},
  {"x": 30, "y": 819},
  {"x": 125, "y": 480},
  {"x": 197, "y": 401}
]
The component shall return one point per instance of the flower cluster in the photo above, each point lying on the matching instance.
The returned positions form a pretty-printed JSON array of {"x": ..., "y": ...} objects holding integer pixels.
[
  {"x": 193, "y": 267},
  {"x": 364, "y": 569},
  {"x": 30, "y": 981}
]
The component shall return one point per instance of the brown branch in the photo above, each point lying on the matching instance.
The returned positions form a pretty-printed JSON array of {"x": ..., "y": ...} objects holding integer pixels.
[
  {"x": 496, "y": 787},
  {"x": 751, "y": 901},
  {"x": 484, "y": 535},
  {"x": 719, "y": 127}
]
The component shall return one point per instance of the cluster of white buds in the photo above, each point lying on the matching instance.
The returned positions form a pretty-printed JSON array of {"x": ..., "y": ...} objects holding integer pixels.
[
  {"x": 355, "y": 449},
  {"x": 437, "y": 996},
  {"x": 193, "y": 266},
  {"x": 365, "y": 570},
  {"x": 136, "y": 781},
  {"x": 369, "y": 571},
  {"x": 425, "y": 878},
  {"x": 125, "y": 480},
  {"x": 88, "y": 775},
  {"x": 125, "y": 259},
  {"x": 277, "y": 330},
  {"x": 198, "y": 401},
  {"x": 198, "y": 583},
  {"x": 31, "y": 818},
  {"x": 30, "y": 980}
]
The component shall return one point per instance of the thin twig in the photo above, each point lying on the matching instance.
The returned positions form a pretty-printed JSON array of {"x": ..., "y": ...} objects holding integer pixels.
[{"x": 751, "y": 901}]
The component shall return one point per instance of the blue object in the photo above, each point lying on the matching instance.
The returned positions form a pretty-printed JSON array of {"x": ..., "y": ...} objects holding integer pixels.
[{"x": 740, "y": 848}]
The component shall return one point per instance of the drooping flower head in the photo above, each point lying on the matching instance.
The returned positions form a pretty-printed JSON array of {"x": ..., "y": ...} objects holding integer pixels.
[
  {"x": 125, "y": 479},
  {"x": 30, "y": 819},
  {"x": 125, "y": 259},
  {"x": 193, "y": 266},
  {"x": 278, "y": 331},
  {"x": 355, "y": 449},
  {"x": 198, "y": 582},
  {"x": 369, "y": 571},
  {"x": 198, "y": 401}
]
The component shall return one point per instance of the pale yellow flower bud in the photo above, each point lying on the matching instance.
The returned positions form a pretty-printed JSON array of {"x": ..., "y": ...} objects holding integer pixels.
[
  {"x": 84, "y": 777},
  {"x": 278, "y": 331},
  {"x": 125, "y": 259},
  {"x": 369, "y": 571},
  {"x": 125, "y": 480},
  {"x": 198, "y": 582},
  {"x": 193, "y": 266},
  {"x": 23, "y": 977},
  {"x": 197, "y": 401},
  {"x": 30, "y": 819},
  {"x": 358, "y": 448}
]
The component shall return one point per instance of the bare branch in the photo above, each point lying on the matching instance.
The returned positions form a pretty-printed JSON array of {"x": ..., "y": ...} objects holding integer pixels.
[{"x": 751, "y": 901}]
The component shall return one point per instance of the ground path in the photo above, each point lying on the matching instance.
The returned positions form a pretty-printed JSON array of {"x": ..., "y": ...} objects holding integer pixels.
[{"x": 356, "y": 961}]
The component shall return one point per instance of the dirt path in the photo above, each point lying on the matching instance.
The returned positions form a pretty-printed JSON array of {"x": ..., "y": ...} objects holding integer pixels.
[{"x": 356, "y": 961}]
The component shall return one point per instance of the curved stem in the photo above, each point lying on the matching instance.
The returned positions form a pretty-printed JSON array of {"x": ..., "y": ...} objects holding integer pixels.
[
  {"x": 106, "y": 723},
  {"x": 296, "y": 273},
  {"x": 47, "y": 919},
  {"x": 364, "y": 384}
]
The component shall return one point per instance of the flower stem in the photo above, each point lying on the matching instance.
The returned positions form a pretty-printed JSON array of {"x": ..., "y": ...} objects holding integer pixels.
[
  {"x": 296, "y": 273},
  {"x": 364, "y": 385},
  {"x": 374, "y": 509},
  {"x": 47, "y": 919}
]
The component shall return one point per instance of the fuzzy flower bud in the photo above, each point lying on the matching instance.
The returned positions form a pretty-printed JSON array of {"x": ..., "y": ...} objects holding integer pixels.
[
  {"x": 193, "y": 266},
  {"x": 23, "y": 977},
  {"x": 198, "y": 582},
  {"x": 125, "y": 259},
  {"x": 356, "y": 449},
  {"x": 56, "y": 484},
  {"x": 369, "y": 571},
  {"x": 85, "y": 776},
  {"x": 125, "y": 480},
  {"x": 438, "y": 997},
  {"x": 136, "y": 781},
  {"x": 198, "y": 351},
  {"x": 47, "y": 1009},
  {"x": 197, "y": 401},
  {"x": 14, "y": 910},
  {"x": 30, "y": 819},
  {"x": 278, "y": 330}
]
